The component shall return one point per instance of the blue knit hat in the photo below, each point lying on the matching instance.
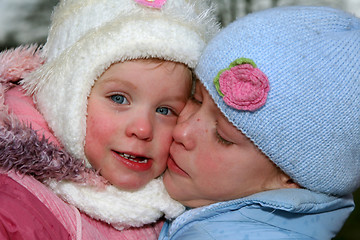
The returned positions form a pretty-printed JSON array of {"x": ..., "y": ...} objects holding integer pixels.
[{"x": 289, "y": 79}]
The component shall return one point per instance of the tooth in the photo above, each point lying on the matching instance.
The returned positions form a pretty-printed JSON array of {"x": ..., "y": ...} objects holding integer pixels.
[{"x": 132, "y": 158}]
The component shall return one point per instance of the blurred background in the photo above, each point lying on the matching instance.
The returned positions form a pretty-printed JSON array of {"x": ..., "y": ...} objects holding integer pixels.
[{"x": 27, "y": 21}]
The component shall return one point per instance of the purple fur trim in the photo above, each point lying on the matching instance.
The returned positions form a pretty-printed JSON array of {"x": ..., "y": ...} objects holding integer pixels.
[
  {"x": 22, "y": 151},
  {"x": 20, "y": 147}
]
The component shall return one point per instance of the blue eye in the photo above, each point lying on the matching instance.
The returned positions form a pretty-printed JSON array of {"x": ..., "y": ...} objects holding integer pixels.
[
  {"x": 120, "y": 99},
  {"x": 163, "y": 110}
]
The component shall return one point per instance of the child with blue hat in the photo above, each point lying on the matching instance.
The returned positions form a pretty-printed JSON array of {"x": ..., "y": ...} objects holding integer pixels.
[{"x": 269, "y": 146}]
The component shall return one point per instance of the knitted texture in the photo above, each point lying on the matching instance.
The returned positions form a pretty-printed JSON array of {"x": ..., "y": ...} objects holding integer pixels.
[
  {"x": 242, "y": 85},
  {"x": 310, "y": 123},
  {"x": 87, "y": 36}
]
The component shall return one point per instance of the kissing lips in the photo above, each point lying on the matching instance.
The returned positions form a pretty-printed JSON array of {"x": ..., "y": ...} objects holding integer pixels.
[
  {"x": 133, "y": 162},
  {"x": 173, "y": 167}
]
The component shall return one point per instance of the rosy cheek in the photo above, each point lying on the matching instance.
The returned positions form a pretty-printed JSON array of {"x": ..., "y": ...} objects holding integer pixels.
[
  {"x": 206, "y": 159},
  {"x": 164, "y": 141},
  {"x": 97, "y": 134},
  {"x": 100, "y": 125}
]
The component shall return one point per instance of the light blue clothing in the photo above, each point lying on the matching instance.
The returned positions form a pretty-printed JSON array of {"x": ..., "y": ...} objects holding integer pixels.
[{"x": 276, "y": 214}]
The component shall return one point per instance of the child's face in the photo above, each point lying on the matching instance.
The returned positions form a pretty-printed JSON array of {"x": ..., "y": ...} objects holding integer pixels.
[
  {"x": 211, "y": 161},
  {"x": 132, "y": 110}
]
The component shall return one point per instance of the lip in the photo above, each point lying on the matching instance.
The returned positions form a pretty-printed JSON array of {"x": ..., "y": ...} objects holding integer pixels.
[
  {"x": 135, "y": 166},
  {"x": 174, "y": 168}
]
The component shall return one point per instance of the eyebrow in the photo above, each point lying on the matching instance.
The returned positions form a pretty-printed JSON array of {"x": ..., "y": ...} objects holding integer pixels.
[
  {"x": 112, "y": 80},
  {"x": 177, "y": 98}
]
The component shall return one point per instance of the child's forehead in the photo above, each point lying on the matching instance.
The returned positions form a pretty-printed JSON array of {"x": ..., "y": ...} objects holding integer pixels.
[
  {"x": 152, "y": 63},
  {"x": 134, "y": 72},
  {"x": 158, "y": 63}
]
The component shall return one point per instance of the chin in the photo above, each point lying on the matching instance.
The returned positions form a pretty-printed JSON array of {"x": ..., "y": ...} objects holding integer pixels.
[
  {"x": 172, "y": 188},
  {"x": 128, "y": 184}
]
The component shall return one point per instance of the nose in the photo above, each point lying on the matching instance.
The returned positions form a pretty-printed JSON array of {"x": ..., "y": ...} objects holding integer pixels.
[
  {"x": 140, "y": 126},
  {"x": 185, "y": 129}
]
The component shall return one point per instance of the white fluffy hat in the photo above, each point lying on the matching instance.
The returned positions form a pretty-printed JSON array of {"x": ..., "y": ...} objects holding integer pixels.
[{"x": 87, "y": 36}]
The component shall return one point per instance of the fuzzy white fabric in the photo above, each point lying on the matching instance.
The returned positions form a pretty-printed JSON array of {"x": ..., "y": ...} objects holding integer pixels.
[
  {"x": 87, "y": 36},
  {"x": 121, "y": 209},
  {"x": 74, "y": 19}
]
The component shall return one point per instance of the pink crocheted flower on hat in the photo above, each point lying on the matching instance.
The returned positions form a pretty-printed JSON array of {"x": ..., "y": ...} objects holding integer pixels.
[
  {"x": 152, "y": 3},
  {"x": 242, "y": 85}
]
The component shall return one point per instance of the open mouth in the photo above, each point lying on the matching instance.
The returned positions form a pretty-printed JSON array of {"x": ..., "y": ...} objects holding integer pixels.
[
  {"x": 133, "y": 158},
  {"x": 134, "y": 162}
]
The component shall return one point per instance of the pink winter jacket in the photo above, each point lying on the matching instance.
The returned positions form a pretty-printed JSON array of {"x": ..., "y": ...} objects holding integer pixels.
[{"x": 63, "y": 219}]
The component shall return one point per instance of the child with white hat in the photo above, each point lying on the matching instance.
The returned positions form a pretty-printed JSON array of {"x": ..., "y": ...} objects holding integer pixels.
[
  {"x": 269, "y": 147},
  {"x": 87, "y": 119}
]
